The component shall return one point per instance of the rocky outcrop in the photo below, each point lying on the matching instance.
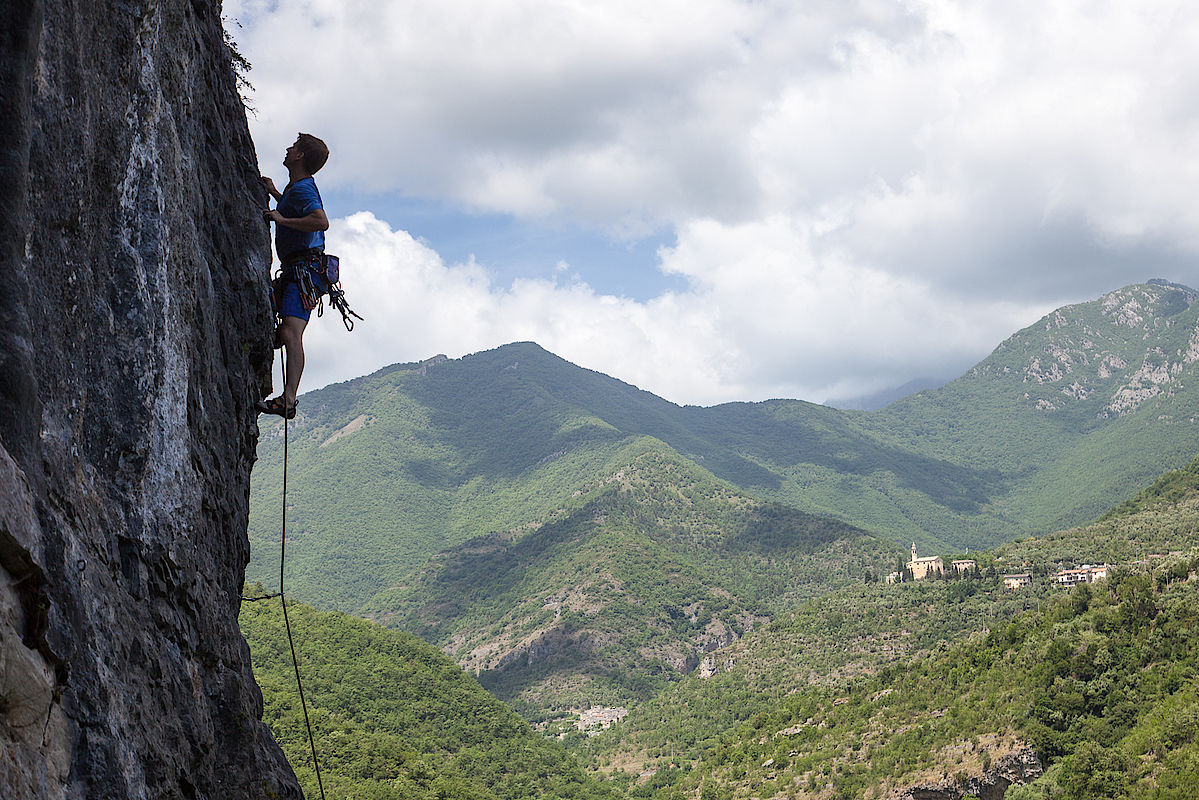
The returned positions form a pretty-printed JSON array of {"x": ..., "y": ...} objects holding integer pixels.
[
  {"x": 135, "y": 339},
  {"x": 1021, "y": 766}
]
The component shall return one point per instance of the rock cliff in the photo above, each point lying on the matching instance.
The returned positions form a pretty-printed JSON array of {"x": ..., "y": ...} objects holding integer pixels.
[
  {"x": 1018, "y": 767},
  {"x": 135, "y": 338}
]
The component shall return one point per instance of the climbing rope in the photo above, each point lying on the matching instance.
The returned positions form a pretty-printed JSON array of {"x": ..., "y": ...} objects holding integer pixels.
[
  {"x": 245, "y": 599},
  {"x": 283, "y": 600}
]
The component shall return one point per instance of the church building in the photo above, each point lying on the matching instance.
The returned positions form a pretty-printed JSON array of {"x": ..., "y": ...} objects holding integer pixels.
[{"x": 922, "y": 568}]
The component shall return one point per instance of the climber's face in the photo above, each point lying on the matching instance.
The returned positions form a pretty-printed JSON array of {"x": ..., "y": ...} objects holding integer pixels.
[{"x": 293, "y": 155}]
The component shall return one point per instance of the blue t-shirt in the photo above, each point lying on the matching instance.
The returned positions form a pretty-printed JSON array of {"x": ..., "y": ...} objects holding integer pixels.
[{"x": 299, "y": 200}]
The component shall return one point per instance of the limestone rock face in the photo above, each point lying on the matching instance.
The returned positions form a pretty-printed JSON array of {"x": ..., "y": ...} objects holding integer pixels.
[{"x": 134, "y": 338}]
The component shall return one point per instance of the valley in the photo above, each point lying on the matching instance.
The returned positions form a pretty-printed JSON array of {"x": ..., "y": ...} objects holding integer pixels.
[
  {"x": 935, "y": 688},
  {"x": 571, "y": 542}
]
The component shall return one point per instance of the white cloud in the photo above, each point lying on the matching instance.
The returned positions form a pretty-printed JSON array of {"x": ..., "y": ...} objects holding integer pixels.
[
  {"x": 855, "y": 184},
  {"x": 415, "y": 306},
  {"x": 756, "y": 325},
  {"x": 626, "y": 112}
]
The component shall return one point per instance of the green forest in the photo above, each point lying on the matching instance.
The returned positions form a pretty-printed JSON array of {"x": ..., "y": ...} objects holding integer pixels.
[
  {"x": 1099, "y": 685},
  {"x": 392, "y": 469},
  {"x": 963, "y": 662},
  {"x": 394, "y": 718},
  {"x": 558, "y": 540},
  {"x": 611, "y": 601},
  {"x": 862, "y": 691}
]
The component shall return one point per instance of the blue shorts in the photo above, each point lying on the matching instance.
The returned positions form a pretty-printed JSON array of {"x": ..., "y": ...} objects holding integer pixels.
[{"x": 290, "y": 304}]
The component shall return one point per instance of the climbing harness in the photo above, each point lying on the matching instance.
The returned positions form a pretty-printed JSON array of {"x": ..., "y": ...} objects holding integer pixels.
[
  {"x": 283, "y": 602},
  {"x": 297, "y": 268}
]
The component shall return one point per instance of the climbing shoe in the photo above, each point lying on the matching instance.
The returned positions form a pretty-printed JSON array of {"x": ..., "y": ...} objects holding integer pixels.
[{"x": 277, "y": 407}]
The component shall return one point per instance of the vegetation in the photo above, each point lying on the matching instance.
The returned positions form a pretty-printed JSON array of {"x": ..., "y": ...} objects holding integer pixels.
[
  {"x": 1099, "y": 683},
  {"x": 1155, "y": 522},
  {"x": 1048, "y": 432},
  {"x": 607, "y": 603},
  {"x": 572, "y": 540},
  {"x": 394, "y": 718},
  {"x": 241, "y": 65},
  {"x": 874, "y": 688},
  {"x": 860, "y": 692},
  {"x": 829, "y": 643}
]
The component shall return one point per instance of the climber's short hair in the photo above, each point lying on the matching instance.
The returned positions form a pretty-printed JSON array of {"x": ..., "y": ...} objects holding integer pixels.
[{"x": 316, "y": 152}]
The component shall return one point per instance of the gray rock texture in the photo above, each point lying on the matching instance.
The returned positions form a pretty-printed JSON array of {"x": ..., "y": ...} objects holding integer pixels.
[
  {"x": 134, "y": 338},
  {"x": 1020, "y": 767}
]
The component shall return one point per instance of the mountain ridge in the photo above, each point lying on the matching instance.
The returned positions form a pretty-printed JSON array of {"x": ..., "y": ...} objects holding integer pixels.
[
  {"x": 937, "y": 467},
  {"x": 411, "y": 484},
  {"x": 660, "y": 565}
]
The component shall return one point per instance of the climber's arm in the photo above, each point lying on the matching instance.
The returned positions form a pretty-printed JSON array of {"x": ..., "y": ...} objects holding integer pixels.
[{"x": 316, "y": 221}]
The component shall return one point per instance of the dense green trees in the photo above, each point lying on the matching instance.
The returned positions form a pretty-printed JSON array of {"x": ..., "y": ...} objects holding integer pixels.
[
  {"x": 1101, "y": 681},
  {"x": 394, "y": 718},
  {"x": 578, "y": 541},
  {"x": 612, "y": 601},
  {"x": 393, "y": 468},
  {"x": 873, "y": 687}
]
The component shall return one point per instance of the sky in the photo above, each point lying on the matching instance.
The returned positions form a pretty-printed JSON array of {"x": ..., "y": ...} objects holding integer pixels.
[{"x": 730, "y": 200}]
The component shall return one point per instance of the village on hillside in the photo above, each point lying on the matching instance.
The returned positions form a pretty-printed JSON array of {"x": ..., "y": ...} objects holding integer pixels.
[{"x": 933, "y": 567}]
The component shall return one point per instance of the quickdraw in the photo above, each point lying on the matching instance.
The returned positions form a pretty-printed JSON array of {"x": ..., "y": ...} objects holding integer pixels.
[
  {"x": 337, "y": 299},
  {"x": 310, "y": 295}
]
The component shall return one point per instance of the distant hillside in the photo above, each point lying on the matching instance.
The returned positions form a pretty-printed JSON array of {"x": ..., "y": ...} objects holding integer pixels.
[
  {"x": 1072, "y": 413},
  {"x": 1094, "y": 694},
  {"x": 394, "y": 718},
  {"x": 576, "y": 540},
  {"x": 653, "y": 566},
  {"x": 869, "y": 663},
  {"x": 1064, "y": 420}
]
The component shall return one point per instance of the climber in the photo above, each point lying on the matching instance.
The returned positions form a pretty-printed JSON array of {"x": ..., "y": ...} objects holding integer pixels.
[{"x": 300, "y": 225}]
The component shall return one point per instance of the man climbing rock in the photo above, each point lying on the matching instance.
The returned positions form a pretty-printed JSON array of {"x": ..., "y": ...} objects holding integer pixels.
[{"x": 300, "y": 225}]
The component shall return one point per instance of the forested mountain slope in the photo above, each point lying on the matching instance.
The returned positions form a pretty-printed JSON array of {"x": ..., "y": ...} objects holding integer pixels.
[
  {"x": 1094, "y": 694},
  {"x": 873, "y": 688},
  {"x": 394, "y": 718},
  {"x": 575, "y": 540},
  {"x": 1073, "y": 412},
  {"x": 1065, "y": 419},
  {"x": 658, "y": 564}
]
